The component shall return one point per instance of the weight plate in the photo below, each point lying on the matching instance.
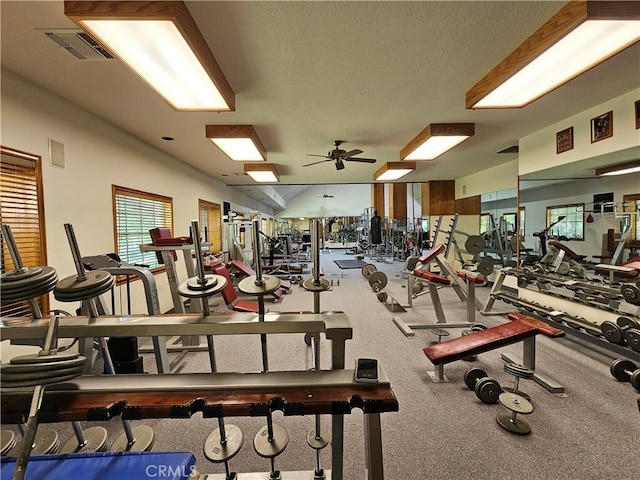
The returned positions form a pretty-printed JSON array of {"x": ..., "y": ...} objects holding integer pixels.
[
  {"x": 42, "y": 381},
  {"x": 620, "y": 369},
  {"x": 143, "y": 440},
  {"x": 269, "y": 285},
  {"x": 625, "y": 322},
  {"x": 631, "y": 293},
  {"x": 211, "y": 285},
  {"x": 35, "y": 376},
  {"x": 478, "y": 327},
  {"x": 368, "y": 269},
  {"x": 270, "y": 448},
  {"x": 516, "y": 403},
  {"x": 35, "y": 358},
  {"x": 216, "y": 452},
  {"x": 514, "y": 425},
  {"x": 47, "y": 441},
  {"x": 632, "y": 336},
  {"x": 10, "y": 295},
  {"x": 95, "y": 441},
  {"x": 8, "y": 440},
  {"x": 382, "y": 296},
  {"x": 377, "y": 281},
  {"x": 19, "y": 279},
  {"x": 11, "y": 368},
  {"x": 472, "y": 376},
  {"x": 488, "y": 390},
  {"x": 635, "y": 380},
  {"x": 485, "y": 266},
  {"x": 72, "y": 289},
  {"x": 518, "y": 370},
  {"x": 317, "y": 443},
  {"x": 612, "y": 332},
  {"x": 27, "y": 272},
  {"x": 417, "y": 287},
  {"x": 474, "y": 244},
  {"x": 529, "y": 273},
  {"x": 311, "y": 286},
  {"x": 564, "y": 268}
]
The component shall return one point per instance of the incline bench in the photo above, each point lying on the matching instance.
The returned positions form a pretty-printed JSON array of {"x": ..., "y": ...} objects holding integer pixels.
[{"x": 522, "y": 328}]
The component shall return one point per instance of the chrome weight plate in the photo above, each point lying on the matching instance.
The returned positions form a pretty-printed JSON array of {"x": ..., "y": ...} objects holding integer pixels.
[{"x": 269, "y": 285}]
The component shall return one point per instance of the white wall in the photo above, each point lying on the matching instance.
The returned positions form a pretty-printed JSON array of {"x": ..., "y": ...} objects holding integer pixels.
[
  {"x": 501, "y": 177},
  {"x": 348, "y": 201},
  {"x": 98, "y": 155},
  {"x": 538, "y": 150}
]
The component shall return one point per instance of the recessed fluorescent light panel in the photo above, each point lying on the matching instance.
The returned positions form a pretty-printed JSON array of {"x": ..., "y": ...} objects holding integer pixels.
[
  {"x": 238, "y": 142},
  {"x": 436, "y": 139},
  {"x": 393, "y": 171}
]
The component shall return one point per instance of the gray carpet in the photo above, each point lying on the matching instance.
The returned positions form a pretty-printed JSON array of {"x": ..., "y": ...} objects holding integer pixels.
[{"x": 442, "y": 431}]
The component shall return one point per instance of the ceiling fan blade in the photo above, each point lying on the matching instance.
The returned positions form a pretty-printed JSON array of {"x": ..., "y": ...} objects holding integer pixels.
[
  {"x": 314, "y": 163},
  {"x": 351, "y": 153},
  {"x": 363, "y": 160},
  {"x": 314, "y": 155}
]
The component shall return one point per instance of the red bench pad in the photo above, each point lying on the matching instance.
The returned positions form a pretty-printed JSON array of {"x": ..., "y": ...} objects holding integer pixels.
[
  {"x": 570, "y": 253},
  {"x": 473, "y": 277},
  {"x": 479, "y": 342},
  {"x": 431, "y": 277},
  {"x": 431, "y": 254}
]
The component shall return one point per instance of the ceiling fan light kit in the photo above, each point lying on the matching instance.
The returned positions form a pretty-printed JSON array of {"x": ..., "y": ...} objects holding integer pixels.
[
  {"x": 339, "y": 156},
  {"x": 436, "y": 139},
  {"x": 238, "y": 142},
  {"x": 579, "y": 36},
  {"x": 162, "y": 44},
  {"x": 393, "y": 171}
]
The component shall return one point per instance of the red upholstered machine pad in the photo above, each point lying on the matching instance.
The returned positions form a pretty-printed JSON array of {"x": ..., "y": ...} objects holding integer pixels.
[
  {"x": 473, "y": 277},
  {"x": 431, "y": 254},
  {"x": 520, "y": 328},
  {"x": 431, "y": 277},
  {"x": 567, "y": 251}
]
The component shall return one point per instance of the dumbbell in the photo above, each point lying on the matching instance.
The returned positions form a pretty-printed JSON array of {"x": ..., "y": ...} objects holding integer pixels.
[
  {"x": 631, "y": 293},
  {"x": 382, "y": 297},
  {"x": 487, "y": 389},
  {"x": 617, "y": 332},
  {"x": 626, "y": 371}
]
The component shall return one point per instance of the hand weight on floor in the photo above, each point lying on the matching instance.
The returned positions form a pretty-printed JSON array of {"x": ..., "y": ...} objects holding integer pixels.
[
  {"x": 626, "y": 371},
  {"x": 487, "y": 389}
]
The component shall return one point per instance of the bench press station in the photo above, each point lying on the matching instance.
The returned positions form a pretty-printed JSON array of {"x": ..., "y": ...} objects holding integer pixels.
[
  {"x": 521, "y": 328},
  {"x": 463, "y": 283}
]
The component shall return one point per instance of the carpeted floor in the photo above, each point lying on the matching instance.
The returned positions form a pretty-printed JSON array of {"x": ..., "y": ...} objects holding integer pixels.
[{"x": 442, "y": 431}]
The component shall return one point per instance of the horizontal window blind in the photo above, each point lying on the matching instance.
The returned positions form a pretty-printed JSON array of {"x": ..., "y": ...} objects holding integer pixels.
[
  {"x": 135, "y": 214},
  {"x": 21, "y": 207},
  {"x": 211, "y": 217}
]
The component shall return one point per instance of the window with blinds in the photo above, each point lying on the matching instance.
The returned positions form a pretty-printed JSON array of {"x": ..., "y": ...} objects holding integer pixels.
[
  {"x": 22, "y": 208},
  {"x": 571, "y": 226},
  {"x": 135, "y": 213},
  {"x": 211, "y": 219}
]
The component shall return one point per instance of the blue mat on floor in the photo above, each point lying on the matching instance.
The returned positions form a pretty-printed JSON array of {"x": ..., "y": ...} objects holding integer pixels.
[{"x": 347, "y": 264}]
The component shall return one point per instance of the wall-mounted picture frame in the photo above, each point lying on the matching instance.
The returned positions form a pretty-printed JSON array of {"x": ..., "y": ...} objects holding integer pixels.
[
  {"x": 637, "y": 111},
  {"x": 602, "y": 127},
  {"x": 564, "y": 140}
]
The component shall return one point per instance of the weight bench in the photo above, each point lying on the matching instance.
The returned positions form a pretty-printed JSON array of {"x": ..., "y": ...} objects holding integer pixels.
[
  {"x": 522, "y": 328},
  {"x": 627, "y": 270},
  {"x": 230, "y": 295}
]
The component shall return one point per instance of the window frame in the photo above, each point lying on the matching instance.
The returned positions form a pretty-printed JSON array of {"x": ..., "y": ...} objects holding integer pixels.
[
  {"x": 117, "y": 190},
  {"x": 33, "y": 162},
  {"x": 572, "y": 209},
  {"x": 633, "y": 200},
  {"x": 208, "y": 208}
]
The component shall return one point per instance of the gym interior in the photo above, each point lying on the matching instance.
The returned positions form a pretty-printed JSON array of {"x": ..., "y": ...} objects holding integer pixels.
[{"x": 167, "y": 316}]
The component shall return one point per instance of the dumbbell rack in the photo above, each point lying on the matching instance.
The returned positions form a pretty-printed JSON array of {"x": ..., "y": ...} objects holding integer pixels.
[{"x": 172, "y": 396}]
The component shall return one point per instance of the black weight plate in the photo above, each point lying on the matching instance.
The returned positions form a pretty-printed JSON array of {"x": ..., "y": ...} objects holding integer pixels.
[
  {"x": 37, "y": 375},
  {"x": 29, "y": 367},
  {"x": 382, "y": 297},
  {"x": 10, "y": 295},
  {"x": 518, "y": 370},
  {"x": 472, "y": 376},
  {"x": 16, "y": 280},
  {"x": 488, "y": 390},
  {"x": 478, "y": 327},
  {"x": 632, "y": 336},
  {"x": 76, "y": 287},
  {"x": 626, "y": 322},
  {"x": 620, "y": 369},
  {"x": 35, "y": 358},
  {"x": 612, "y": 332},
  {"x": 15, "y": 275},
  {"x": 77, "y": 295},
  {"x": 485, "y": 266},
  {"x": 635, "y": 380},
  {"x": 48, "y": 381},
  {"x": 631, "y": 293}
]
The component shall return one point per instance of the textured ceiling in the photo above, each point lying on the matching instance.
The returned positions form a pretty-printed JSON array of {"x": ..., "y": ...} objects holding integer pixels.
[{"x": 306, "y": 73}]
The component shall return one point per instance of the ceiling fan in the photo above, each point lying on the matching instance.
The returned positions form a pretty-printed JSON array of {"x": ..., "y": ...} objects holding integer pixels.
[
  {"x": 340, "y": 156},
  {"x": 326, "y": 195}
]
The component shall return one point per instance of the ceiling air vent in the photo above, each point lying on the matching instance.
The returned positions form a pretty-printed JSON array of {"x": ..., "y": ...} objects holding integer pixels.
[
  {"x": 79, "y": 44},
  {"x": 511, "y": 149}
]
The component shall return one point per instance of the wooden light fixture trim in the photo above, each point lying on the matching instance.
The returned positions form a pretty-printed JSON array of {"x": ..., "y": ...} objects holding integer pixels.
[
  {"x": 438, "y": 130},
  {"x": 236, "y": 131}
]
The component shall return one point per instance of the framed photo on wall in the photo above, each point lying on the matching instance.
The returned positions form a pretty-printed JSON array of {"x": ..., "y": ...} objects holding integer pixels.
[
  {"x": 602, "y": 127},
  {"x": 637, "y": 112},
  {"x": 564, "y": 140}
]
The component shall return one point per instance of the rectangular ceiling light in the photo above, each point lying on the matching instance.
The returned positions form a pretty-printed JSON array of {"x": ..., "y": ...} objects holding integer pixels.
[
  {"x": 581, "y": 35},
  {"x": 393, "y": 171},
  {"x": 262, "y": 172},
  {"x": 238, "y": 142},
  {"x": 620, "y": 169},
  {"x": 436, "y": 139},
  {"x": 162, "y": 44}
]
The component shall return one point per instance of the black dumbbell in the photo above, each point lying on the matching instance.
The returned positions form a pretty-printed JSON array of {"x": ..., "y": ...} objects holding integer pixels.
[
  {"x": 626, "y": 371},
  {"x": 487, "y": 389},
  {"x": 476, "y": 328},
  {"x": 616, "y": 332}
]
